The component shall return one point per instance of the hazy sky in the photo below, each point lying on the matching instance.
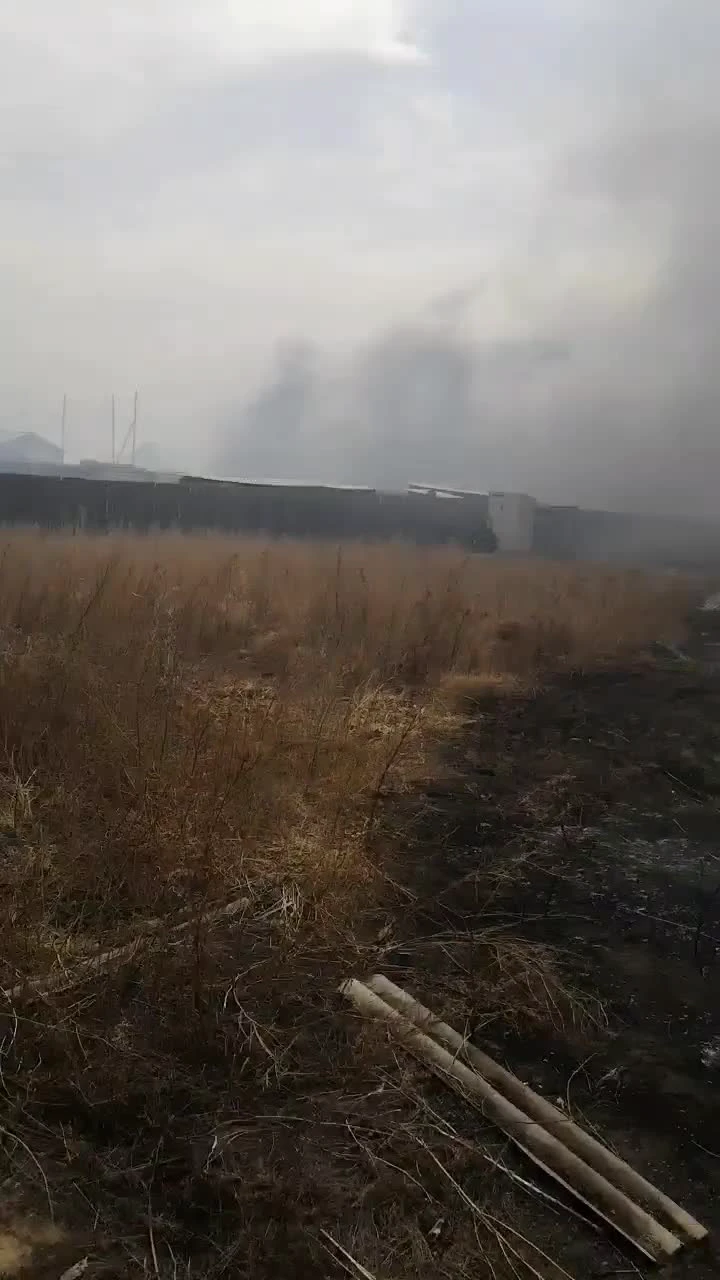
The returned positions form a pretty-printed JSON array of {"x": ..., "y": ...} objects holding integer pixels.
[{"x": 467, "y": 240}]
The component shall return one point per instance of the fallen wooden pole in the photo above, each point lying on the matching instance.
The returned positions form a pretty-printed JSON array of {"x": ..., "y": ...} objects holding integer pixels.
[
  {"x": 357, "y": 1267},
  {"x": 539, "y": 1109},
  {"x": 589, "y": 1186},
  {"x": 81, "y": 970}
]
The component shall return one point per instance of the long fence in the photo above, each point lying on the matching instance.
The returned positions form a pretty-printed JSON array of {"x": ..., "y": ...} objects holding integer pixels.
[
  {"x": 99, "y": 504},
  {"x": 54, "y": 502}
]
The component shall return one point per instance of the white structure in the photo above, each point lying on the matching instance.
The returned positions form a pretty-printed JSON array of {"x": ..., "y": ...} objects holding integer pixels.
[{"x": 512, "y": 520}]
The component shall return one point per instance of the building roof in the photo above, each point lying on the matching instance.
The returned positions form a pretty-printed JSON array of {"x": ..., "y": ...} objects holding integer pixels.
[{"x": 28, "y": 445}]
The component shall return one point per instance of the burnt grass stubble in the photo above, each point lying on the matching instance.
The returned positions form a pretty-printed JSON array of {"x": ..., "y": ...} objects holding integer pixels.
[
  {"x": 603, "y": 790},
  {"x": 178, "y": 1121}
]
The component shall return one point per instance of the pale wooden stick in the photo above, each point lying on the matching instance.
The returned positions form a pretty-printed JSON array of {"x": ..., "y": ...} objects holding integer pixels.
[
  {"x": 538, "y": 1108},
  {"x": 358, "y": 1266},
  {"x": 78, "y": 1270},
  {"x": 647, "y": 1235},
  {"x": 65, "y": 980}
]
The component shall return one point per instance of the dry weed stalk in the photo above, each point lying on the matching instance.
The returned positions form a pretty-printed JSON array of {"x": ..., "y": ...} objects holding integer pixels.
[{"x": 186, "y": 718}]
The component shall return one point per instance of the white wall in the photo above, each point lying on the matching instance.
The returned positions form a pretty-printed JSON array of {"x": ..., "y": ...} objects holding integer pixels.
[{"x": 512, "y": 519}]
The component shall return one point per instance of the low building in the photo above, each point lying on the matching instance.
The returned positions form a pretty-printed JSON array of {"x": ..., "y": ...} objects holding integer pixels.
[
  {"x": 510, "y": 516},
  {"x": 28, "y": 448},
  {"x": 512, "y": 520}
]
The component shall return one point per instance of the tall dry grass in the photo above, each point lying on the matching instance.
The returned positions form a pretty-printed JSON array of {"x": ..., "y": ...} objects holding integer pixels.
[
  {"x": 188, "y": 719},
  {"x": 177, "y": 713}
]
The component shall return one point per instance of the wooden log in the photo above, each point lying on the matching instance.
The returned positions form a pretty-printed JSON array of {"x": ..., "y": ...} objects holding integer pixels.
[
  {"x": 589, "y": 1186},
  {"x": 83, "y": 969},
  {"x": 538, "y": 1108}
]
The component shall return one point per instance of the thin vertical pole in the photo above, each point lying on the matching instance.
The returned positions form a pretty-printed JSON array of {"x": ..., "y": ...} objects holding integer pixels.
[
  {"x": 62, "y": 428},
  {"x": 113, "y": 428},
  {"x": 134, "y": 428}
]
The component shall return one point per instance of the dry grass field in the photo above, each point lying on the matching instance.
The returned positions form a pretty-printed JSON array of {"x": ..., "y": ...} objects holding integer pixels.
[{"x": 191, "y": 722}]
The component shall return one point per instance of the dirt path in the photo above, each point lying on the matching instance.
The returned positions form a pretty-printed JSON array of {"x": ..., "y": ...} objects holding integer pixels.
[{"x": 603, "y": 794}]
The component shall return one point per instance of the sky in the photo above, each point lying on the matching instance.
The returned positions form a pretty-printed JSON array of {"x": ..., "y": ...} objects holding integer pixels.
[{"x": 472, "y": 242}]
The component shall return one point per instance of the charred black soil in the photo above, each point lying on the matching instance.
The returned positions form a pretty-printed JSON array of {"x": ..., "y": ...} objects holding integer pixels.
[
  {"x": 216, "y": 1110},
  {"x": 599, "y": 797}
]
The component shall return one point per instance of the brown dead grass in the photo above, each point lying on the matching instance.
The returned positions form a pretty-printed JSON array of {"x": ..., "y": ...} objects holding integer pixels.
[
  {"x": 185, "y": 720},
  {"x": 226, "y": 709}
]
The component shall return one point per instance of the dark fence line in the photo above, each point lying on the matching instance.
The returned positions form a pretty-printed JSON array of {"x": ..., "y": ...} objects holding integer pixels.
[
  {"x": 53, "y": 502},
  {"x": 298, "y": 511}
]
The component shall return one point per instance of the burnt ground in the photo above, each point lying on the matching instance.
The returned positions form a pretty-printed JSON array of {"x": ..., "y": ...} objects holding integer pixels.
[
  {"x": 600, "y": 795},
  {"x": 212, "y": 1111}
]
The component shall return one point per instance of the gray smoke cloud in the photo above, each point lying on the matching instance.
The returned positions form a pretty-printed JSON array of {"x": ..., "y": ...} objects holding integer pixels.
[
  {"x": 624, "y": 413},
  {"x": 608, "y": 401},
  {"x": 420, "y": 403},
  {"x": 388, "y": 240}
]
